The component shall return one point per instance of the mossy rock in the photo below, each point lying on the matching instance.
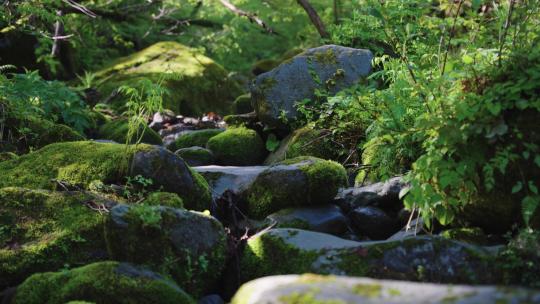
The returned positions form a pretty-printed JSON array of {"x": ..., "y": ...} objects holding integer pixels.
[
  {"x": 468, "y": 235},
  {"x": 197, "y": 138},
  {"x": 237, "y": 147},
  {"x": 84, "y": 162},
  {"x": 188, "y": 246},
  {"x": 302, "y": 181},
  {"x": 196, "y": 83},
  {"x": 42, "y": 230},
  {"x": 242, "y": 104},
  {"x": 104, "y": 282},
  {"x": 196, "y": 156},
  {"x": 163, "y": 199},
  {"x": 294, "y": 251},
  {"x": 320, "y": 289},
  {"x": 7, "y": 156},
  {"x": 304, "y": 142},
  {"x": 117, "y": 130}
]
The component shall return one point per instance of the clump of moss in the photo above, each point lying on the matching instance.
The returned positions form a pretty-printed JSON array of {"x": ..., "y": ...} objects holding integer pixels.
[
  {"x": 117, "y": 130},
  {"x": 263, "y": 66},
  {"x": 101, "y": 283},
  {"x": 304, "y": 142},
  {"x": 77, "y": 163},
  {"x": 196, "y": 83},
  {"x": 197, "y": 138},
  {"x": 188, "y": 246},
  {"x": 42, "y": 231},
  {"x": 237, "y": 147},
  {"x": 163, "y": 199},
  {"x": 308, "y": 181}
]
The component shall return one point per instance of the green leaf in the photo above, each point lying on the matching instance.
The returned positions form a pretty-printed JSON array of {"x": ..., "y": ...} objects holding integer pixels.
[
  {"x": 537, "y": 160},
  {"x": 517, "y": 187},
  {"x": 272, "y": 143},
  {"x": 529, "y": 205},
  {"x": 467, "y": 59},
  {"x": 532, "y": 187}
]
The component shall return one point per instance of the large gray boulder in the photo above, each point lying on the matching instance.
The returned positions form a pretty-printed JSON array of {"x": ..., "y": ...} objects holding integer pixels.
[
  {"x": 275, "y": 93},
  {"x": 188, "y": 246},
  {"x": 325, "y": 218},
  {"x": 431, "y": 259},
  {"x": 329, "y": 289},
  {"x": 229, "y": 178}
]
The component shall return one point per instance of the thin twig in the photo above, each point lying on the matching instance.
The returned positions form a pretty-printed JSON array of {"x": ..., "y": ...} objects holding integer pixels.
[
  {"x": 506, "y": 26},
  {"x": 452, "y": 30}
]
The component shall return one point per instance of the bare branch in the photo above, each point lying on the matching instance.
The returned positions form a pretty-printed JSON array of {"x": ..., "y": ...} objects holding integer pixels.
[
  {"x": 314, "y": 17},
  {"x": 252, "y": 17}
]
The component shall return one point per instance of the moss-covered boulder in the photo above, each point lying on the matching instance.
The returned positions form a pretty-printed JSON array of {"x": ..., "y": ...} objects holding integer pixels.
[
  {"x": 117, "y": 130},
  {"x": 318, "y": 289},
  {"x": 84, "y": 162},
  {"x": 304, "y": 142},
  {"x": 196, "y": 156},
  {"x": 276, "y": 92},
  {"x": 42, "y": 231},
  {"x": 196, "y": 83},
  {"x": 295, "y": 182},
  {"x": 237, "y": 147},
  {"x": 473, "y": 235},
  {"x": 188, "y": 246},
  {"x": 242, "y": 104},
  {"x": 104, "y": 282},
  {"x": 290, "y": 251},
  {"x": 163, "y": 199},
  {"x": 197, "y": 138}
]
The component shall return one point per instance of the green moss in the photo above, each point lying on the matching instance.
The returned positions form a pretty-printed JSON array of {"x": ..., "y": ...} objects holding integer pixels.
[
  {"x": 117, "y": 130},
  {"x": 196, "y": 156},
  {"x": 326, "y": 58},
  {"x": 304, "y": 142},
  {"x": 263, "y": 66},
  {"x": 242, "y": 104},
  {"x": 307, "y": 297},
  {"x": 77, "y": 163},
  {"x": 263, "y": 256},
  {"x": 237, "y": 147},
  {"x": 187, "y": 246},
  {"x": 197, "y": 138},
  {"x": 196, "y": 83},
  {"x": 7, "y": 156},
  {"x": 43, "y": 231},
  {"x": 103, "y": 282},
  {"x": 164, "y": 199},
  {"x": 369, "y": 291},
  {"x": 201, "y": 193},
  {"x": 315, "y": 182},
  {"x": 470, "y": 235}
]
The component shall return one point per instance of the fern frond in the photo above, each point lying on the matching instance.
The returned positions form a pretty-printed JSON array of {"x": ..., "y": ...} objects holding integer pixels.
[{"x": 7, "y": 67}]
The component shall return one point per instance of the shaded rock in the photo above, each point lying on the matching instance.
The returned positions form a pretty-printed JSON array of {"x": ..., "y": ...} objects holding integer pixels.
[
  {"x": 274, "y": 93},
  {"x": 199, "y": 86},
  {"x": 373, "y": 223},
  {"x": 196, "y": 156},
  {"x": 193, "y": 138},
  {"x": 309, "y": 288},
  {"x": 384, "y": 195},
  {"x": 468, "y": 235},
  {"x": 248, "y": 119},
  {"x": 303, "y": 142},
  {"x": 117, "y": 130},
  {"x": 189, "y": 246},
  {"x": 211, "y": 299},
  {"x": 173, "y": 175},
  {"x": 415, "y": 228},
  {"x": 242, "y": 104},
  {"x": 81, "y": 163},
  {"x": 42, "y": 231},
  {"x": 285, "y": 251},
  {"x": 164, "y": 117},
  {"x": 325, "y": 218},
  {"x": 103, "y": 282},
  {"x": 293, "y": 183},
  {"x": 235, "y": 179},
  {"x": 237, "y": 147}
]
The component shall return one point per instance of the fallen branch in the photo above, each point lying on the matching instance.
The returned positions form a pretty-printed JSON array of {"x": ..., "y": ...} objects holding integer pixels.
[{"x": 252, "y": 17}]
